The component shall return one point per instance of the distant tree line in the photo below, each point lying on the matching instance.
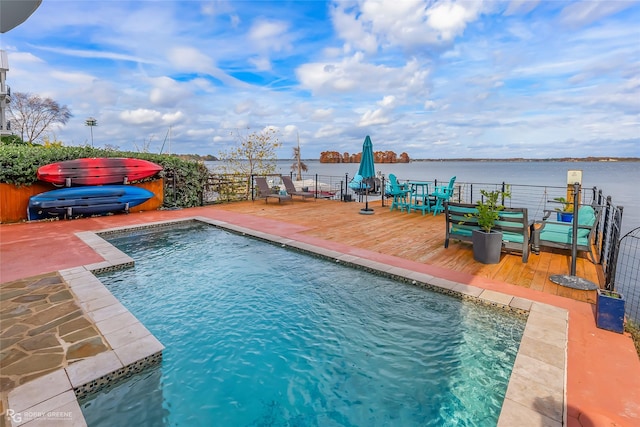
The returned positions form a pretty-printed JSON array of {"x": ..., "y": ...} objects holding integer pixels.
[
  {"x": 378, "y": 157},
  {"x": 198, "y": 157}
]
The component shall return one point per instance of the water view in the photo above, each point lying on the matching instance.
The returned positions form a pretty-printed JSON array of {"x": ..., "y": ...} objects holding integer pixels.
[{"x": 615, "y": 179}]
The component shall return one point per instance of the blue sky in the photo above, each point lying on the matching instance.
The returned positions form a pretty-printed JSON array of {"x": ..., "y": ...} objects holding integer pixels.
[{"x": 435, "y": 79}]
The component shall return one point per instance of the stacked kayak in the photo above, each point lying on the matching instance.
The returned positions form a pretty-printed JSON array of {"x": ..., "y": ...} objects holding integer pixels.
[
  {"x": 97, "y": 171},
  {"x": 93, "y": 186}
]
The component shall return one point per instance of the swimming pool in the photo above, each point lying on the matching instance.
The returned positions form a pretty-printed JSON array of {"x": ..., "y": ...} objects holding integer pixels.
[{"x": 258, "y": 335}]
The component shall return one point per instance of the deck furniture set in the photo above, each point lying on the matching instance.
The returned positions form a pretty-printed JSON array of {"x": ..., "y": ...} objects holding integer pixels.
[
  {"x": 513, "y": 223},
  {"x": 266, "y": 193},
  {"x": 519, "y": 234},
  {"x": 415, "y": 195}
]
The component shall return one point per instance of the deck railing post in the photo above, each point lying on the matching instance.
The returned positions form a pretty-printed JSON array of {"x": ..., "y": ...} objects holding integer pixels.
[
  {"x": 610, "y": 271},
  {"x": 251, "y": 187},
  {"x": 611, "y": 232},
  {"x": 346, "y": 185},
  {"x": 574, "y": 238}
]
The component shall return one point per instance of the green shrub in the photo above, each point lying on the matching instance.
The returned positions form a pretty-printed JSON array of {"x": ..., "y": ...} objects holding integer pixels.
[{"x": 19, "y": 165}]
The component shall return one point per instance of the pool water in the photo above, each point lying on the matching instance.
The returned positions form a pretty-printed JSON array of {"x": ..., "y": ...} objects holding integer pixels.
[{"x": 260, "y": 335}]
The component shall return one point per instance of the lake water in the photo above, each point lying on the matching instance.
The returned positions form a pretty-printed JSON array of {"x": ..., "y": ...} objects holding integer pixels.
[{"x": 616, "y": 179}]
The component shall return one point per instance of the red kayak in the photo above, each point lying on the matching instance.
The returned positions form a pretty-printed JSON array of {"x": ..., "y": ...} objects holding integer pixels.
[{"x": 97, "y": 171}]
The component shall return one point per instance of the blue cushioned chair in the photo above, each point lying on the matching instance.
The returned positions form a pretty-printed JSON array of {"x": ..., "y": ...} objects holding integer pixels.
[
  {"x": 441, "y": 194},
  {"x": 358, "y": 184},
  {"x": 560, "y": 234}
]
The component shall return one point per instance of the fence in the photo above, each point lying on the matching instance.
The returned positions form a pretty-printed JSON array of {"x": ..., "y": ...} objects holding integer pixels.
[{"x": 627, "y": 273}]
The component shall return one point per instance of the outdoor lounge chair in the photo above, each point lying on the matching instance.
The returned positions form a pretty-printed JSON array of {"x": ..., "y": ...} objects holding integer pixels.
[
  {"x": 291, "y": 189},
  {"x": 358, "y": 184},
  {"x": 442, "y": 194},
  {"x": 553, "y": 234},
  {"x": 266, "y": 193}
]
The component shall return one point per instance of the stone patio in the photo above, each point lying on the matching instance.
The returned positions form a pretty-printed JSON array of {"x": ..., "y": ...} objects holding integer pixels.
[{"x": 43, "y": 329}]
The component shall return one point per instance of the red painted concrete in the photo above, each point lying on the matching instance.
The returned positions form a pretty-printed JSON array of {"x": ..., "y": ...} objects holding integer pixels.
[{"x": 603, "y": 379}]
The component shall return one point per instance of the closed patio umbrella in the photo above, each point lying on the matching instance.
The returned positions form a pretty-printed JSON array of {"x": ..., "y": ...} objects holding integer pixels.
[{"x": 367, "y": 170}]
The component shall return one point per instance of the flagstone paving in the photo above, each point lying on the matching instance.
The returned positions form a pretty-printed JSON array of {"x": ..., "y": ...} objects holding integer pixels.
[{"x": 43, "y": 329}]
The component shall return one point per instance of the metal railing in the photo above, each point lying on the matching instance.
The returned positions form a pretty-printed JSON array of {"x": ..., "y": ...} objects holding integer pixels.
[{"x": 626, "y": 273}]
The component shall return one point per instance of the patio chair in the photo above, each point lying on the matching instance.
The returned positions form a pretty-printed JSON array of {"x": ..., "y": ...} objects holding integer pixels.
[
  {"x": 291, "y": 189},
  {"x": 554, "y": 234},
  {"x": 399, "y": 192},
  {"x": 266, "y": 193},
  {"x": 441, "y": 194},
  {"x": 358, "y": 184}
]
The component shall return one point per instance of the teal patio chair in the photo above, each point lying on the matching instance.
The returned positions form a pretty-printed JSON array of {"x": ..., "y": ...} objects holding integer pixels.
[
  {"x": 441, "y": 194},
  {"x": 358, "y": 184},
  {"x": 399, "y": 192}
]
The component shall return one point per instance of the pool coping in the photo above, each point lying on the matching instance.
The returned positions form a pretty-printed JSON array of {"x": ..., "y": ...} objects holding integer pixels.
[{"x": 536, "y": 393}]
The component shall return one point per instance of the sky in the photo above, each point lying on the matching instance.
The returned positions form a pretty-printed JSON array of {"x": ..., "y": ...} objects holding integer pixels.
[{"x": 434, "y": 79}]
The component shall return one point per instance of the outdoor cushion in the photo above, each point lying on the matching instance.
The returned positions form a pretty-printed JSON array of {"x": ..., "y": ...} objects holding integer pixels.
[
  {"x": 357, "y": 183},
  {"x": 586, "y": 216},
  {"x": 562, "y": 232},
  {"x": 467, "y": 230},
  {"x": 559, "y": 233}
]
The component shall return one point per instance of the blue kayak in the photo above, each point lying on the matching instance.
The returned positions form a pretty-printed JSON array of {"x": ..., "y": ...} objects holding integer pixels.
[{"x": 89, "y": 200}]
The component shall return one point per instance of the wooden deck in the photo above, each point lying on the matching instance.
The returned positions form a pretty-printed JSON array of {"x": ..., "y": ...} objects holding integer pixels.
[{"x": 420, "y": 238}]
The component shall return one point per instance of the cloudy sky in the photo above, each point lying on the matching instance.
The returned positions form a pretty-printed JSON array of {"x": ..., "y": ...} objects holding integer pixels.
[{"x": 435, "y": 79}]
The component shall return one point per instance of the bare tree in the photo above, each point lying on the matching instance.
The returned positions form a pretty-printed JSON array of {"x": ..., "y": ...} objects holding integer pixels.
[
  {"x": 34, "y": 115},
  {"x": 298, "y": 165},
  {"x": 255, "y": 154}
]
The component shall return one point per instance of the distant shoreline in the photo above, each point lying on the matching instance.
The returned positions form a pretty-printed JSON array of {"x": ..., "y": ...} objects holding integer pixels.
[{"x": 559, "y": 159}]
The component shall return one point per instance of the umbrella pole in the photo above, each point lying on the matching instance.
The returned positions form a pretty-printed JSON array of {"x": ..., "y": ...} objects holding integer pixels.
[{"x": 366, "y": 210}]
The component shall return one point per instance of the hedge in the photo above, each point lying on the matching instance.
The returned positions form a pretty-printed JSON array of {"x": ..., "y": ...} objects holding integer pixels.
[{"x": 19, "y": 165}]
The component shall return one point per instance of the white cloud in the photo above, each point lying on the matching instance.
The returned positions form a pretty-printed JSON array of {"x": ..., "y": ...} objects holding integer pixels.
[
  {"x": 269, "y": 35},
  {"x": 520, "y": 6},
  {"x": 430, "y": 105},
  {"x": 322, "y": 114},
  {"x": 261, "y": 63},
  {"x": 189, "y": 58},
  {"x": 173, "y": 118},
  {"x": 140, "y": 116},
  {"x": 449, "y": 19},
  {"x": 377, "y": 117},
  {"x": 167, "y": 92},
  {"x": 388, "y": 101},
  {"x": 327, "y": 132},
  {"x": 586, "y": 12},
  {"x": 406, "y": 23}
]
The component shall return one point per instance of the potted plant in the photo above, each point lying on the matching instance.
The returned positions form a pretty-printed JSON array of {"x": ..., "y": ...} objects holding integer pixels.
[
  {"x": 610, "y": 311},
  {"x": 487, "y": 243},
  {"x": 565, "y": 214}
]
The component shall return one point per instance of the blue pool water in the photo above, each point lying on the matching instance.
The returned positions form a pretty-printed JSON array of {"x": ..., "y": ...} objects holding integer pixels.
[{"x": 259, "y": 335}]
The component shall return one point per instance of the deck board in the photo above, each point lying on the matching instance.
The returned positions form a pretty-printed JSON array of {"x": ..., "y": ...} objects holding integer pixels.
[{"x": 420, "y": 238}]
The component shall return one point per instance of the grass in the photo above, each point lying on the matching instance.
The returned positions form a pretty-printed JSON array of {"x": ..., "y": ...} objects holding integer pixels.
[{"x": 634, "y": 330}]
